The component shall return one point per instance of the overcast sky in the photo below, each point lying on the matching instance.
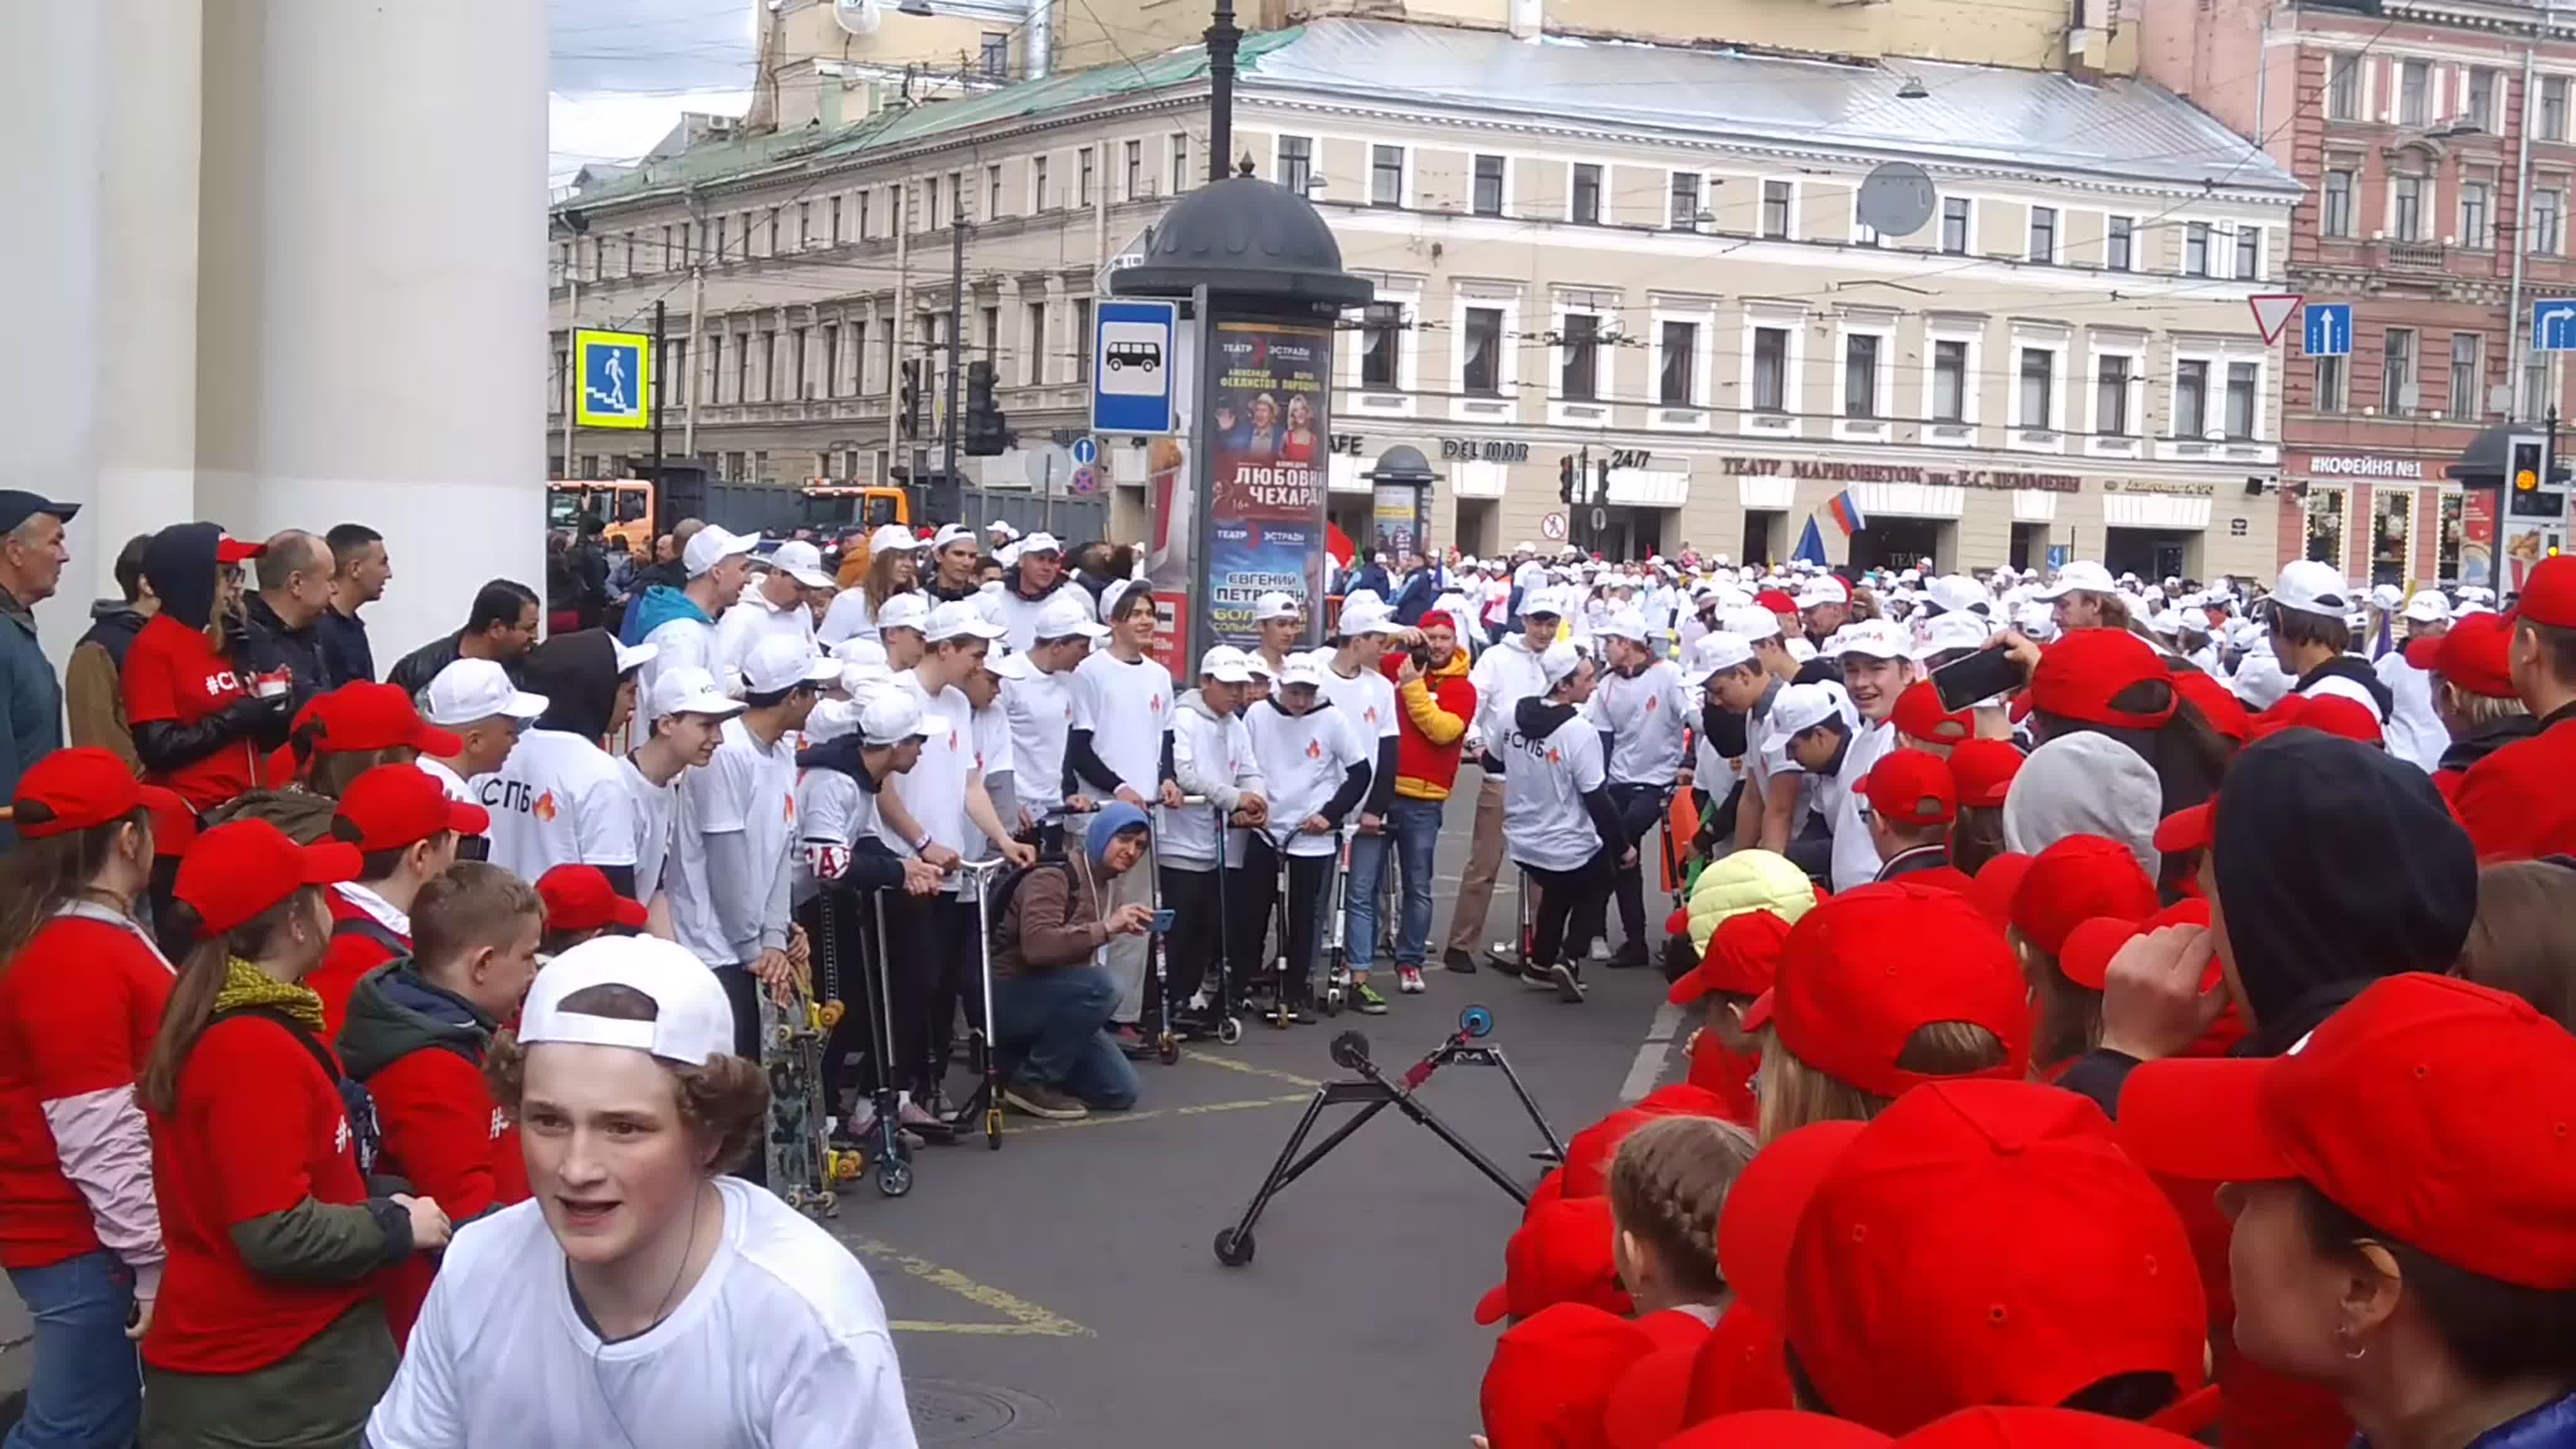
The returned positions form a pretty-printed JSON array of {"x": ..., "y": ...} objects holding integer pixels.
[{"x": 625, "y": 69}]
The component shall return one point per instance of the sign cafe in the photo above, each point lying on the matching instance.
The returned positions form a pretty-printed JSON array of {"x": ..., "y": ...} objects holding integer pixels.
[
  {"x": 2365, "y": 465},
  {"x": 1832, "y": 472}
]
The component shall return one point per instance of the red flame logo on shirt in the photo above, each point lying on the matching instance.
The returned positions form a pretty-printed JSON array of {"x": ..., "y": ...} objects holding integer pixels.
[
  {"x": 1154, "y": 702},
  {"x": 1554, "y": 758},
  {"x": 1314, "y": 749},
  {"x": 544, "y": 809},
  {"x": 791, "y": 809},
  {"x": 952, "y": 742},
  {"x": 1651, "y": 703}
]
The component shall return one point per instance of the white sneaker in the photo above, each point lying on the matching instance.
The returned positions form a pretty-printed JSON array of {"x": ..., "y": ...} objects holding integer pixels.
[{"x": 1600, "y": 951}]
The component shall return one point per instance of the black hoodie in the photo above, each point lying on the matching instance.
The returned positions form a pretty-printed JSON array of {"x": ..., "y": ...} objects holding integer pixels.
[
  {"x": 873, "y": 865},
  {"x": 180, "y": 564},
  {"x": 577, "y": 673}
]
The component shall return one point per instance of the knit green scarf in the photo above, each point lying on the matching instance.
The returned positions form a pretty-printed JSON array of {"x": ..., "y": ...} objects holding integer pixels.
[{"x": 246, "y": 985}]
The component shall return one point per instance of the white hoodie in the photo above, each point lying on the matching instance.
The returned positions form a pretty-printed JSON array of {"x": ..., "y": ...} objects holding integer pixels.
[
  {"x": 1212, "y": 755},
  {"x": 1504, "y": 676}
]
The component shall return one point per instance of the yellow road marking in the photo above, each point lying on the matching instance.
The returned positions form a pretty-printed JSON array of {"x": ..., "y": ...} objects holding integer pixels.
[
  {"x": 1112, "y": 1119},
  {"x": 1026, "y": 1318},
  {"x": 1248, "y": 1069}
]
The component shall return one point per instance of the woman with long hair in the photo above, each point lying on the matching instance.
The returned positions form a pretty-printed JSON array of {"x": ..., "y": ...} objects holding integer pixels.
[
  {"x": 270, "y": 1328},
  {"x": 81, "y": 992},
  {"x": 894, "y": 567}
]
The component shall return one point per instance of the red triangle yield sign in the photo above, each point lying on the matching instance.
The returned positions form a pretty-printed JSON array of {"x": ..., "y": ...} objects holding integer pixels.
[{"x": 2273, "y": 311}]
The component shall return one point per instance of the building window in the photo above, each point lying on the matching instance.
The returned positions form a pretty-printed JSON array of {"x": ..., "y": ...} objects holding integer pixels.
[
  {"x": 989, "y": 332},
  {"x": 2397, "y": 373},
  {"x": 865, "y": 197},
  {"x": 1587, "y": 194},
  {"x": 2190, "y": 399},
  {"x": 2195, "y": 249},
  {"x": 1381, "y": 345},
  {"x": 835, "y": 205},
  {"x": 1037, "y": 183},
  {"x": 724, "y": 225},
  {"x": 2548, "y": 204},
  {"x": 1180, "y": 162},
  {"x": 2414, "y": 80},
  {"x": 2038, "y": 386},
  {"x": 2468, "y": 375},
  {"x": 1775, "y": 209},
  {"x": 1386, "y": 176},
  {"x": 2241, "y": 391},
  {"x": 2535, "y": 387},
  {"x": 2343, "y": 86},
  {"x": 1082, "y": 177},
  {"x": 831, "y": 360},
  {"x": 992, "y": 191},
  {"x": 1685, "y": 201},
  {"x": 1297, "y": 162},
  {"x": 1771, "y": 369},
  {"x": 1860, "y": 375},
  {"x": 773, "y": 232},
  {"x": 1489, "y": 186},
  {"x": 804, "y": 225},
  {"x": 2249, "y": 253},
  {"x": 2328, "y": 393},
  {"x": 2336, "y": 218},
  {"x": 956, "y": 196},
  {"x": 2473, "y": 215},
  {"x": 2553, "y": 108},
  {"x": 1678, "y": 385},
  {"x": 2120, "y": 246},
  {"x": 997, "y": 55},
  {"x": 1580, "y": 376},
  {"x": 1482, "y": 371},
  {"x": 2409, "y": 191},
  {"x": 2111, "y": 396},
  {"x": 1135, "y": 162},
  {"x": 2325, "y": 526},
  {"x": 1949, "y": 382},
  {"x": 2043, "y": 233},
  {"x": 1082, "y": 339},
  {"x": 796, "y": 352},
  {"x": 715, "y": 368},
  {"x": 1865, "y": 235},
  {"x": 2480, "y": 111},
  {"x": 1033, "y": 344},
  {"x": 1954, "y": 225},
  {"x": 742, "y": 371}
]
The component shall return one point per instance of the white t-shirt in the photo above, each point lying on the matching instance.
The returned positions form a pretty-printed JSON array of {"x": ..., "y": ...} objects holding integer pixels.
[
  {"x": 448, "y": 780},
  {"x": 934, "y": 790},
  {"x": 781, "y": 1344},
  {"x": 849, "y": 617},
  {"x": 1545, "y": 822},
  {"x": 1366, "y": 702},
  {"x": 1039, "y": 709},
  {"x": 1020, "y": 616},
  {"x": 677, "y": 642},
  {"x": 1127, "y": 708},
  {"x": 990, "y": 731},
  {"x": 752, "y": 619},
  {"x": 1304, "y": 759},
  {"x": 744, "y": 788},
  {"x": 1504, "y": 676},
  {"x": 833, "y": 809},
  {"x": 654, "y": 807},
  {"x": 558, "y": 800},
  {"x": 1855, "y": 860},
  {"x": 2414, "y": 731},
  {"x": 1646, "y": 718}
]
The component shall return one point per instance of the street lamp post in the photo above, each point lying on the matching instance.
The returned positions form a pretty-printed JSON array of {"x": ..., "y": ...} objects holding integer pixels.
[{"x": 1223, "y": 40}]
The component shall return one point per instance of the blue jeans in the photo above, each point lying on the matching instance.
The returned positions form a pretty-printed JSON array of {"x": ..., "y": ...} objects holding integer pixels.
[
  {"x": 87, "y": 1386},
  {"x": 1412, "y": 832},
  {"x": 1059, "y": 1022}
]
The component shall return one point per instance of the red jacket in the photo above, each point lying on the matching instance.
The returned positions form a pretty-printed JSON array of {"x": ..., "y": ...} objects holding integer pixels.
[
  {"x": 2515, "y": 803},
  {"x": 359, "y": 944},
  {"x": 1432, "y": 716}
]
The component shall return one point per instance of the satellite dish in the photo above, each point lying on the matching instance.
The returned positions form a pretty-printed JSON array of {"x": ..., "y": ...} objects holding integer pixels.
[
  {"x": 857, "y": 17},
  {"x": 1896, "y": 198},
  {"x": 1049, "y": 467}
]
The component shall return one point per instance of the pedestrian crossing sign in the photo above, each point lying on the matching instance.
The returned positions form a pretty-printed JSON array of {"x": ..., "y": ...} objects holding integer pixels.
[{"x": 613, "y": 378}]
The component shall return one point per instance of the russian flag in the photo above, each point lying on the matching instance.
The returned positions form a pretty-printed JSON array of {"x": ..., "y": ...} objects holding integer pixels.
[{"x": 1846, "y": 512}]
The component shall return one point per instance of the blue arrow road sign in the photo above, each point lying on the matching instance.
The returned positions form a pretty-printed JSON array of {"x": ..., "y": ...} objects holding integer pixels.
[
  {"x": 2329, "y": 331},
  {"x": 1132, "y": 364},
  {"x": 2553, "y": 324},
  {"x": 1086, "y": 450}
]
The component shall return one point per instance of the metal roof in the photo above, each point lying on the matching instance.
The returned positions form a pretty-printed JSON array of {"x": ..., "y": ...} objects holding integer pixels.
[{"x": 1974, "y": 114}]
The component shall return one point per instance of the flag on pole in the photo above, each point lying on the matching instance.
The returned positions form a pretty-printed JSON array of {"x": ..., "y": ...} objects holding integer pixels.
[
  {"x": 1811, "y": 545},
  {"x": 1846, "y": 512}
]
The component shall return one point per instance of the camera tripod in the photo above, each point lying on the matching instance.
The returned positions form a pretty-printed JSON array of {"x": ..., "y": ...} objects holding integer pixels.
[{"x": 1373, "y": 1091}]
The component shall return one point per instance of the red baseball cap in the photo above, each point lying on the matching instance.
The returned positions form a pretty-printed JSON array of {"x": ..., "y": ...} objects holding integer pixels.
[
  {"x": 392, "y": 807},
  {"x": 229, "y": 550},
  {"x": 2036, "y": 1428},
  {"x": 2548, "y": 594},
  {"x": 236, "y": 871},
  {"x": 579, "y": 898},
  {"x": 2331, "y": 714},
  {"x": 1559, "y": 1254},
  {"x": 1778, "y": 1429},
  {"x": 2474, "y": 655},
  {"x": 2215, "y": 701},
  {"x": 1551, "y": 1373},
  {"x": 1741, "y": 1367},
  {"x": 1988, "y": 1243},
  {"x": 1586, "y": 1172},
  {"x": 1982, "y": 771},
  {"x": 1743, "y": 957},
  {"x": 1760, "y": 1216},
  {"x": 1777, "y": 601},
  {"x": 2085, "y": 956},
  {"x": 366, "y": 716},
  {"x": 1911, "y": 787},
  {"x": 2188, "y": 829},
  {"x": 2431, "y": 1108},
  {"x": 2079, "y": 876},
  {"x": 2079, "y": 675},
  {"x": 1991, "y": 891},
  {"x": 1648, "y": 1402},
  {"x": 174, "y": 822},
  {"x": 1919, "y": 716},
  {"x": 82, "y": 788},
  {"x": 1866, "y": 970}
]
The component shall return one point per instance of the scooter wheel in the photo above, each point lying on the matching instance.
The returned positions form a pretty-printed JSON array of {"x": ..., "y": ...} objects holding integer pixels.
[
  {"x": 1167, "y": 1049},
  {"x": 894, "y": 1178},
  {"x": 1333, "y": 1002},
  {"x": 1229, "y": 1031},
  {"x": 1231, "y": 1250},
  {"x": 993, "y": 1129}
]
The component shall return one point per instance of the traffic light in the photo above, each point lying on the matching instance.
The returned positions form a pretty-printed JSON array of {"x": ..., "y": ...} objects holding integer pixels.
[
  {"x": 2530, "y": 490},
  {"x": 911, "y": 398},
  {"x": 986, "y": 433},
  {"x": 1565, "y": 478},
  {"x": 2526, "y": 464},
  {"x": 1601, "y": 484}
]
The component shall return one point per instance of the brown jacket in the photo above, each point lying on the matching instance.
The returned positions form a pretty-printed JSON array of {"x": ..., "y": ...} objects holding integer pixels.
[
  {"x": 95, "y": 703},
  {"x": 1053, "y": 920}
]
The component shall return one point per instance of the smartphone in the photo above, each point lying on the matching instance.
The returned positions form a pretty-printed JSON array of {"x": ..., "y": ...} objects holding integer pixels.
[
  {"x": 1163, "y": 921},
  {"x": 1978, "y": 678}
]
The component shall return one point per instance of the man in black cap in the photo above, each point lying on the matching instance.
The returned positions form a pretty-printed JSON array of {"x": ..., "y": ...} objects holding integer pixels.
[{"x": 32, "y": 555}]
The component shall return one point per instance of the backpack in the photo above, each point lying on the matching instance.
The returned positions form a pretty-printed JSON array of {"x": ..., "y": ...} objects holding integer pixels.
[
  {"x": 997, "y": 896},
  {"x": 372, "y": 929},
  {"x": 355, "y": 1100}
]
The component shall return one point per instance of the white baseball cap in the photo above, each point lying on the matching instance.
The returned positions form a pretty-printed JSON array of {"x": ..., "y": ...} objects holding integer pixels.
[
  {"x": 1226, "y": 665},
  {"x": 952, "y": 533},
  {"x": 631, "y": 657},
  {"x": 1365, "y": 616},
  {"x": 2082, "y": 575},
  {"x": 802, "y": 562},
  {"x": 2311, "y": 587},
  {"x": 907, "y": 610},
  {"x": 859, "y": 649},
  {"x": 960, "y": 619},
  {"x": 832, "y": 719},
  {"x": 1542, "y": 601},
  {"x": 892, "y": 536},
  {"x": 781, "y": 662},
  {"x": 714, "y": 544},
  {"x": 1275, "y": 605},
  {"x": 687, "y": 689},
  {"x": 1955, "y": 630},
  {"x": 1823, "y": 589},
  {"x": 2427, "y": 607},
  {"x": 692, "y": 1021},
  {"x": 1039, "y": 542},
  {"x": 1803, "y": 707},
  {"x": 1721, "y": 649},
  {"x": 891, "y": 718},
  {"x": 1301, "y": 669},
  {"x": 1626, "y": 624},
  {"x": 1753, "y": 621},
  {"x": 1007, "y": 666},
  {"x": 1559, "y": 662},
  {"x": 1259, "y": 666},
  {"x": 1003, "y": 527},
  {"x": 1066, "y": 615},
  {"x": 476, "y": 689},
  {"x": 1958, "y": 592},
  {"x": 1872, "y": 639}
]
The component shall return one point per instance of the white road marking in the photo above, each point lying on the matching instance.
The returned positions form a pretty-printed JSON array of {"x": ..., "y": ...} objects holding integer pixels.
[{"x": 1652, "y": 1055}]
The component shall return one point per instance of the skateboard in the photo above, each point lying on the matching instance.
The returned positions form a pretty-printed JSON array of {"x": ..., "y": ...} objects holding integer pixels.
[{"x": 805, "y": 1170}]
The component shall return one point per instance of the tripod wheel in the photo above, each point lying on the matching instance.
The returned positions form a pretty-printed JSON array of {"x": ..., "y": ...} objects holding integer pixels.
[
  {"x": 1231, "y": 1250},
  {"x": 894, "y": 1177},
  {"x": 1229, "y": 1031}
]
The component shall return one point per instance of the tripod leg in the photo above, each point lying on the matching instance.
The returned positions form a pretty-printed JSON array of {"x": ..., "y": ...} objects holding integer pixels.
[
  {"x": 1277, "y": 1177},
  {"x": 1530, "y": 1103}
]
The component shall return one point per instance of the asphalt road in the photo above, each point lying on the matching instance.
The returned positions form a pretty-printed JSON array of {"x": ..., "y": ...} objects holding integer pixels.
[{"x": 1063, "y": 1292}]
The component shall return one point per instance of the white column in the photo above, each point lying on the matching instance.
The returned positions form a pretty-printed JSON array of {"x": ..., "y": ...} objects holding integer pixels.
[
  {"x": 54, "y": 98},
  {"x": 403, "y": 292},
  {"x": 147, "y": 471}
]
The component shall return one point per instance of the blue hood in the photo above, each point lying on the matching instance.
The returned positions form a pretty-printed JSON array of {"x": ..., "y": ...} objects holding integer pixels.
[{"x": 659, "y": 606}]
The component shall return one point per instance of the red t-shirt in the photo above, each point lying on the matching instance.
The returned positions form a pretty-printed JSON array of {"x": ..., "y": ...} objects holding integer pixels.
[
  {"x": 2515, "y": 803},
  {"x": 78, "y": 1010},
  {"x": 445, "y": 1135},
  {"x": 351, "y": 955},
  {"x": 1729, "y": 1075},
  {"x": 172, "y": 673},
  {"x": 259, "y": 1129}
]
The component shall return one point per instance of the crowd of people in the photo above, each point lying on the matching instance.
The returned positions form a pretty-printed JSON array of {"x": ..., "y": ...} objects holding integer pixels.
[{"x": 2116, "y": 1001}]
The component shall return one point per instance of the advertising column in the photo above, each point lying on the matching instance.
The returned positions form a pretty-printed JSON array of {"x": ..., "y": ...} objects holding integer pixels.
[{"x": 1266, "y": 432}]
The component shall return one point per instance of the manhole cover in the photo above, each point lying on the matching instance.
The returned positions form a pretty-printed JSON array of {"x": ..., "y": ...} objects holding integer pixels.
[{"x": 946, "y": 1412}]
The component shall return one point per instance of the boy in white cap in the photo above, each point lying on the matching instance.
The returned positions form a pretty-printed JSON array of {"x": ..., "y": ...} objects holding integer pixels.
[
  {"x": 683, "y": 723},
  {"x": 1316, "y": 769},
  {"x": 1035, "y": 579},
  {"x": 1642, "y": 705},
  {"x": 1558, "y": 821},
  {"x": 1038, "y": 702},
  {"x": 1212, "y": 757},
  {"x": 607, "y": 1308},
  {"x": 474, "y": 700},
  {"x": 775, "y": 602},
  {"x": 681, "y": 623},
  {"x": 2307, "y": 619},
  {"x": 955, "y": 563},
  {"x": 1877, "y": 660},
  {"x": 1283, "y": 629},
  {"x": 1503, "y": 676},
  {"x": 1366, "y": 699},
  {"x": 902, "y": 629},
  {"x": 2415, "y": 730}
]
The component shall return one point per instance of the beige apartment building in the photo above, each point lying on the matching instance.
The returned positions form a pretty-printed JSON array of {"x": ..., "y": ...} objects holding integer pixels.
[{"x": 1649, "y": 257}]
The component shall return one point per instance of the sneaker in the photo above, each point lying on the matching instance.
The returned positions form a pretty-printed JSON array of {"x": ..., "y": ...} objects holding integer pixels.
[
  {"x": 918, "y": 1121},
  {"x": 1457, "y": 961},
  {"x": 1628, "y": 957},
  {"x": 1133, "y": 1043},
  {"x": 1569, "y": 985},
  {"x": 1600, "y": 949},
  {"x": 1047, "y": 1102},
  {"x": 1408, "y": 980},
  {"x": 1537, "y": 980},
  {"x": 1365, "y": 1000}
]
